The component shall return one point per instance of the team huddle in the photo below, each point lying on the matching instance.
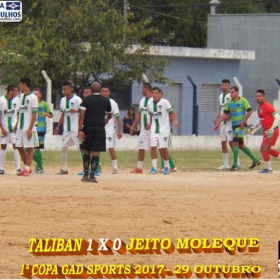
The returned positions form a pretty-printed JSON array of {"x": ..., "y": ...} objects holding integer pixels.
[
  {"x": 89, "y": 124},
  {"x": 235, "y": 111}
]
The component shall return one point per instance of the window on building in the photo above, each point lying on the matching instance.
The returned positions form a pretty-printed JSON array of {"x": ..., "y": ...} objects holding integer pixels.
[{"x": 210, "y": 97}]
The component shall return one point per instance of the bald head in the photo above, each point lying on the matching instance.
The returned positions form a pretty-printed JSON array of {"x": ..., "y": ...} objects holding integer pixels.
[{"x": 96, "y": 87}]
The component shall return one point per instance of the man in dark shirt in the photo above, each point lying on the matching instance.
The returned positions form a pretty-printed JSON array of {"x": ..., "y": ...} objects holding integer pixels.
[{"x": 92, "y": 129}]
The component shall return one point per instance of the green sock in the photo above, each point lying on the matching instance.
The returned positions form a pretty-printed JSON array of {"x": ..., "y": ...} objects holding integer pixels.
[
  {"x": 162, "y": 163},
  {"x": 39, "y": 158},
  {"x": 35, "y": 157},
  {"x": 171, "y": 162},
  {"x": 248, "y": 152},
  {"x": 82, "y": 154},
  {"x": 98, "y": 163},
  {"x": 235, "y": 151}
]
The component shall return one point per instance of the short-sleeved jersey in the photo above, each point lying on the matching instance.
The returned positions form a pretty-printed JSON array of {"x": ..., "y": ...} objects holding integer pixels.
[
  {"x": 237, "y": 110},
  {"x": 265, "y": 113},
  {"x": 110, "y": 126},
  {"x": 143, "y": 109},
  {"x": 28, "y": 105},
  {"x": 43, "y": 107},
  {"x": 70, "y": 122},
  {"x": 96, "y": 106},
  {"x": 8, "y": 112},
  {"x": 160, "y": 115},
  {"x": 223, "y": 99}
]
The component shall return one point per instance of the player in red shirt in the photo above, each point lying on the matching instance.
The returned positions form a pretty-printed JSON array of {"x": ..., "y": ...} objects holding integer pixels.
[{"x": 269, "y": 120}]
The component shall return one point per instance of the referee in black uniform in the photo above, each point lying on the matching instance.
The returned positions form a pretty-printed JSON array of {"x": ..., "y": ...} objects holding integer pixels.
[{"x": 92, "y": 129}]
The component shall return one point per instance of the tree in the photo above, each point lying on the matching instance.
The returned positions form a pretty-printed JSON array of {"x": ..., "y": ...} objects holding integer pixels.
[{"x": 74, "y": 39}]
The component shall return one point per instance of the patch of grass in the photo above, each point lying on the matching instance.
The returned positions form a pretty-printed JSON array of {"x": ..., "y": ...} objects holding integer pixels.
[{"x": 184, "y": 160}]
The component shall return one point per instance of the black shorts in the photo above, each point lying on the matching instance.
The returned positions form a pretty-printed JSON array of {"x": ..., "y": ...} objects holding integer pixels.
[{"x": 95, "y": 139}]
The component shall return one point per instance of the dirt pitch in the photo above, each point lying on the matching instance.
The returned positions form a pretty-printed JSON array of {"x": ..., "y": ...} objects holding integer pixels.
[{"x": 180, "y": 205}]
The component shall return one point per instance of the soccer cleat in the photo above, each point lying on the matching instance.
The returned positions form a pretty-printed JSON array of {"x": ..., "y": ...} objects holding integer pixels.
[
  {"x": 254, "y": 164},
  {"x": 115, "y": 171},
  {"x": 233, "y": 168},
  {"x": 18, "y": 171},
  {"x": 166, "y": 170},
  {"x": 223, "y": 167},
  {"x": 85, "y": 178},
  {"x": 153, "y": 171},
  {"x": 173, "y": 169},
  {"x": 2, "y": 172},
  {"x": 239, "y": 167},
  {"x": 26, "y": 172},
  {"x": 62, "y": 172},
  {"x": 39, "y": 171},
  {"x": 96, "y": 173},
  {"x": 137, "y": 170},
  {"x": 266, "y": 171},
  {"x": 92, "y": 180},
  {"x": 81, "y": 173}
]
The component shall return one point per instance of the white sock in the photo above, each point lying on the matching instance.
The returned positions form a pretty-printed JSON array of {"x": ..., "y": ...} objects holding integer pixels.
[
  {"x": 64, "y": 159},
  {"x": 225, "y": 157},
  {"x": 2, "y": 158},
  {"x": 154, "y": 163},
  {"x": 140, "y": 165},
  {"x": 17, "y": 158},
  {"x": 26, "y": 167},
  {"x": 238, "y": 161},
  {"x": 268, "y": 165},
  {"x": 114, "y": 164},
  {"x": 166, "y": 163}
]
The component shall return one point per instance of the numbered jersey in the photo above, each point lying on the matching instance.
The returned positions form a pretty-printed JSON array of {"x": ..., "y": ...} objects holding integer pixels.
[
  {"x": 143, "y": 109},
  {"x": 110, "y": 126},
  {"x": 28, "y": 106},
  {"x": 8, "y": 112},
  {"x": 160, "y": 115},
  {"x": 70, "y": 122}
]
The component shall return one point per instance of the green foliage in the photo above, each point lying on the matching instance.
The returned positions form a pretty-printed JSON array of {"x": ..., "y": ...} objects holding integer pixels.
[{"x": 75, "y": 39}]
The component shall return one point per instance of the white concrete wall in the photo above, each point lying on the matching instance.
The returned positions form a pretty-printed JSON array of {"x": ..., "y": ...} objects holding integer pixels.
[{"x": 128, "y": 142}]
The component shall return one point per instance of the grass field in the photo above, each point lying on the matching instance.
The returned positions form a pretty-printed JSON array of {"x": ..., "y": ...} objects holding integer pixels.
[{"x": 184, "y": 160}]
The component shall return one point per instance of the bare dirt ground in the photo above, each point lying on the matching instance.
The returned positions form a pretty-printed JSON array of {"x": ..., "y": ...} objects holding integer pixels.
[{"x": 180, "y": 205}]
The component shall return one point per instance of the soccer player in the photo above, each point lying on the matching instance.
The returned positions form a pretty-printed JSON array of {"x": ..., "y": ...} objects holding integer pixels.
[
  {"x": 43, "y": 112},
  {"x": 110, "y": 129},
  {"x": 226, "y": 127},
  {"x": 269, "y": 120},
  {"x": 239, "y": 109},
  {"x": 144, "y": 138},
  {"x": 161, "y": 112},
  {"x": 69, "y": 107},
  {"x": 26, "y": 136},
  {"x": 92, "y": 129},
  {"x": 171, "y": 161},
  {"x": 9, "y": 106}
]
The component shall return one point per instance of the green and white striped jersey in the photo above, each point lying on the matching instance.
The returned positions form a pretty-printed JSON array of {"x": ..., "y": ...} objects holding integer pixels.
[
  {"x": 8, "y": 112},
  {"x": 143, "y": 109},
  {"x": 70, "y": 122},
  {"x": 160, "y": 115},
  {"x": 28, "y": 105}
]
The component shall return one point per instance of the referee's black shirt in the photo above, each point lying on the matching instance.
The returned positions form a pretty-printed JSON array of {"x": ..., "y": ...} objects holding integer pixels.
[{"x": 96, "y": 106}]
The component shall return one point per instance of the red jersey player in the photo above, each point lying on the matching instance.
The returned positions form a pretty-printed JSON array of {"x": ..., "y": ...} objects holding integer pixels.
[{"x": 269, "y": 120}]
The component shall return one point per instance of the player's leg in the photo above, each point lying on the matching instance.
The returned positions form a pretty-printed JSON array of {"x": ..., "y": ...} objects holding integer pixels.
[
  {"x": 271, "y": 151},
  {"x": 163, "y": 146},
  {"x": 154, "y": 143},
  {"x": 66, "y": 142},
  {"x": 110, "y": 145},
  {"x": 144, "y": 144},
  {"x": 238, "y": 159},
  {"x": 223, "y": 137},
  {"x": 3, "y": 152},
  {"x": 38, "y": 156},
  {"x": 171, "y": 161},
  {"x": 17, "y": 158}
]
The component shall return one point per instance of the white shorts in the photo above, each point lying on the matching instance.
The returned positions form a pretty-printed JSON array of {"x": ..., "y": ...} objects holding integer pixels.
[
  {"x": 226, "y": 132},
  {"x": 10, "y": 138},
  {"x": 23, "y": 142},
  {"x": 110, "y": 141},
  {"x": 69, "y": 139},
  {"x": 160, "y": 140},
  {"x": 144, "y": 140}
]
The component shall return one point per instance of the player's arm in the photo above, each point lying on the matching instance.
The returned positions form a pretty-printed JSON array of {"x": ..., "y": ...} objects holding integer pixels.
[
  {"x": 109, "y": 116},
  {"x": 173, "y": 118},
  {"x": 269, "y": 132},
  {"x": 81, "y": 134},
  {"x": 215, "y": 121},
  {"x": 60, "y": 122},
  {"x": 48, "y": 113},
  {"x": 109, "y": 112},
  {"x": 223, "y": 117},
  {"x": 136, "y": 121},
  {"x": 119, "y": 124},
  {"x": 4, "y": 131},
  {"x": 247, "y": 116},
  {"x": 253, "y": 128},
  {"x": 32, "y": 122}
]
